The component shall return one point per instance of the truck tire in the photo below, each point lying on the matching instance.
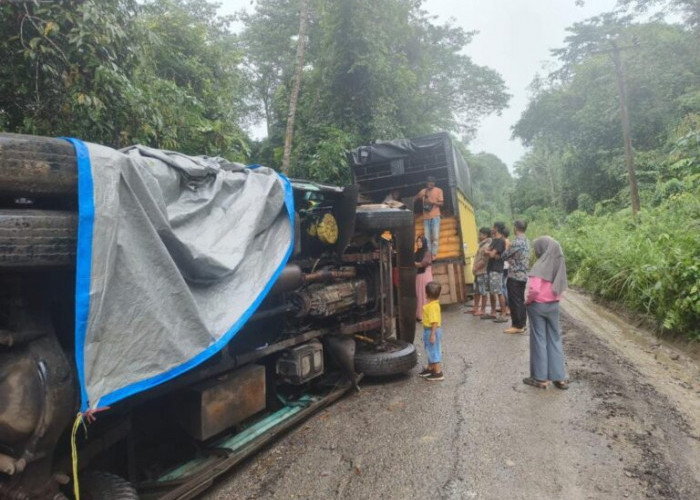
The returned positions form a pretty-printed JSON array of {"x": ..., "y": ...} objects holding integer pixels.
[
  {"x": 32, "y": 166},
  {"x": 380, "y": 219},
  {"x": 96, "y": 485},
  {"x": 37, "y": 238},
  {"x": 399, "y": 357}
]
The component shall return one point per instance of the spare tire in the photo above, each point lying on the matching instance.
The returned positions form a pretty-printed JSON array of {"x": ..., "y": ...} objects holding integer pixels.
[
  {"x": 37, "y": 238},
  {"x": 393, "y": 358},
  {"x": 32, "y": 166},
  {"x": 96, "y": 485},
  {"x": 380, "y": 218}
]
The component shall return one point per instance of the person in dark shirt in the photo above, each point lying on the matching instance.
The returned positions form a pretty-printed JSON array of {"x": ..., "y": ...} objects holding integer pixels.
[
  {"x": 518, "y": 255},
  {"x": 495, "y": 272},
  {"x": 506, "y": 265},
  {"x": 481, "y": 261}
]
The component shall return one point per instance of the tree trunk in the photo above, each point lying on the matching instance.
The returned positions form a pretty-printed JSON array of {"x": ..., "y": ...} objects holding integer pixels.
[
  {"x": 267, "y": 104},
  {"x": 626, "y": 133},
  {"x": 552, "y": 184},
  {"x": 301, "y": 42}
]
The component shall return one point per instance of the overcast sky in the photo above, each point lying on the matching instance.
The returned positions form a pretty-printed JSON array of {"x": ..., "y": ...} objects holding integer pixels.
[{"x": 515, "y": 37}]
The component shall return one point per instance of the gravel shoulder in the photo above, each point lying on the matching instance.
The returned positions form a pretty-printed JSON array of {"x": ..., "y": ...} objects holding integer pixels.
[{"x": 627, "y": 428}]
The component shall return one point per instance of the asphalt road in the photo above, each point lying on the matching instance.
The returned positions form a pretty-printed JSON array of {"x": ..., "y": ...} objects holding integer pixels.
[{"x": 629, "y": 427}]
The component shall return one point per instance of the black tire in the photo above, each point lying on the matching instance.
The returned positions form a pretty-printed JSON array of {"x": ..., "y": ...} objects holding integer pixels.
[
  {"x": 399, "y": 357},
  {"x": 96, "y": 485},
  {"x": 34, "y": 166},
  {"x": 37, "y": 238},
  {"x": 380, "y": 219}
]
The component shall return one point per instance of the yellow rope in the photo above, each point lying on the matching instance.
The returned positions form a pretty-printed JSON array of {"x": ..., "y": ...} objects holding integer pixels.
[
  {"x": 74, "y": 454},
  {"x": 364, "y": 338}
]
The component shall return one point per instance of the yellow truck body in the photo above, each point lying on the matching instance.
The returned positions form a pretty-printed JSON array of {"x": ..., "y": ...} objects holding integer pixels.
[{"x": 470, "y": 243}]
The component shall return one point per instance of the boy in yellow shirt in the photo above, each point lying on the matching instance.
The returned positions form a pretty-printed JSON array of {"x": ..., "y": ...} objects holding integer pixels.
[{"x": 432, "y": 334}]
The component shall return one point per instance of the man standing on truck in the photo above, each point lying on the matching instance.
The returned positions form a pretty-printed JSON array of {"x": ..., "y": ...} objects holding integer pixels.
[{"x": 432, "y": 198}]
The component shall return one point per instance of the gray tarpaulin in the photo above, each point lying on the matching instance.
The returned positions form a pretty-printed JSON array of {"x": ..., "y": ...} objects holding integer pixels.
[{"x": 174, "y": 254}]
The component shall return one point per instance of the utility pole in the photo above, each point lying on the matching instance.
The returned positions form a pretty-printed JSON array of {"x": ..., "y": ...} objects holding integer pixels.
[
  {"x": 301, "y": 42},
  {"x": 626, "y": 133}
]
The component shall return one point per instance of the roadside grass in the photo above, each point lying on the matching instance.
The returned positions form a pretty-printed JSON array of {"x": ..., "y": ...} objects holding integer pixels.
[{"x": 651, "y": 266}]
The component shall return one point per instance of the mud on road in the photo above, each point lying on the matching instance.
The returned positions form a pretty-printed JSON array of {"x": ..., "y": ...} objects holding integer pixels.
[{"x": 629, "y": 427}]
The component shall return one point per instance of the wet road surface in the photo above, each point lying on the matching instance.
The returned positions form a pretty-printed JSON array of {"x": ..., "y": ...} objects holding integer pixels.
[{"x": 629, "y": 427}]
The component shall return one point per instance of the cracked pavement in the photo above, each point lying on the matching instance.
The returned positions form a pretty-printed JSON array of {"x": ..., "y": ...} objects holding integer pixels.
[{"x": 629, "y": 427}]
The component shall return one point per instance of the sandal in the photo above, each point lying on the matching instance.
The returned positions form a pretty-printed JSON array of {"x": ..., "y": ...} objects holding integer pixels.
[
  {"x": 488, "y": 316},
  {"x": 535, "y": 383},
  {"x": 561, "y": 385}
]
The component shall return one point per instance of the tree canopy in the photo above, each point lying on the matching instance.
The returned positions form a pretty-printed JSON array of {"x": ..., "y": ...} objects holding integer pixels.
[
  {"x": 492, "y": 187},
  {"x": 574, "y": 113},
  {"x": 171, "y": 74},
  {"x": 163, "y": 73},
  {"x": 377, "y": 69}
]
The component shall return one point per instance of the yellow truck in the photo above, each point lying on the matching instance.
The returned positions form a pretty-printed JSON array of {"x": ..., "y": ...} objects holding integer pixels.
[{"x": 404, "y": 165}]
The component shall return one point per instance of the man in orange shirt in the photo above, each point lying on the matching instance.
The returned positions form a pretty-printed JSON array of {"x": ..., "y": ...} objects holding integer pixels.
[{"x": 432, "y": 199}]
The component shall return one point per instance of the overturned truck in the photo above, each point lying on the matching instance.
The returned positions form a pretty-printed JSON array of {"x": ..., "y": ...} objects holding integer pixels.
[{"x": 188, "y": 308}]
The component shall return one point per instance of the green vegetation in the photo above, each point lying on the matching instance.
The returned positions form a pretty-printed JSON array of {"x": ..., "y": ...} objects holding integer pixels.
[
  {"x": 651, "y": 265},
  {"x": 171, "y": 74},
  {"x": 573, "y": 183},
  {"x": 375, "y": 70},
  {"x": 118, "y": 72},
  {"x": 492, "y": 187}
]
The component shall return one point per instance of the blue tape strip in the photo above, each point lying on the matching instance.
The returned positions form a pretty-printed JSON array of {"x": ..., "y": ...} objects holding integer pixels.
[
  {"x": 149, "y": 383},
  {"x": 86, "y": 220}
]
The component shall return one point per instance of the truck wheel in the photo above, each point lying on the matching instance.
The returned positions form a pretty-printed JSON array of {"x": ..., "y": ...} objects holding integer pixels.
[
  {"x": 37, "y": 238},
  {"x": 34, "y": 166},
  {"x": 379, "y": 219},
  {"x": 397, "y": 357},
  {"x": 96, "y": 485}
]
